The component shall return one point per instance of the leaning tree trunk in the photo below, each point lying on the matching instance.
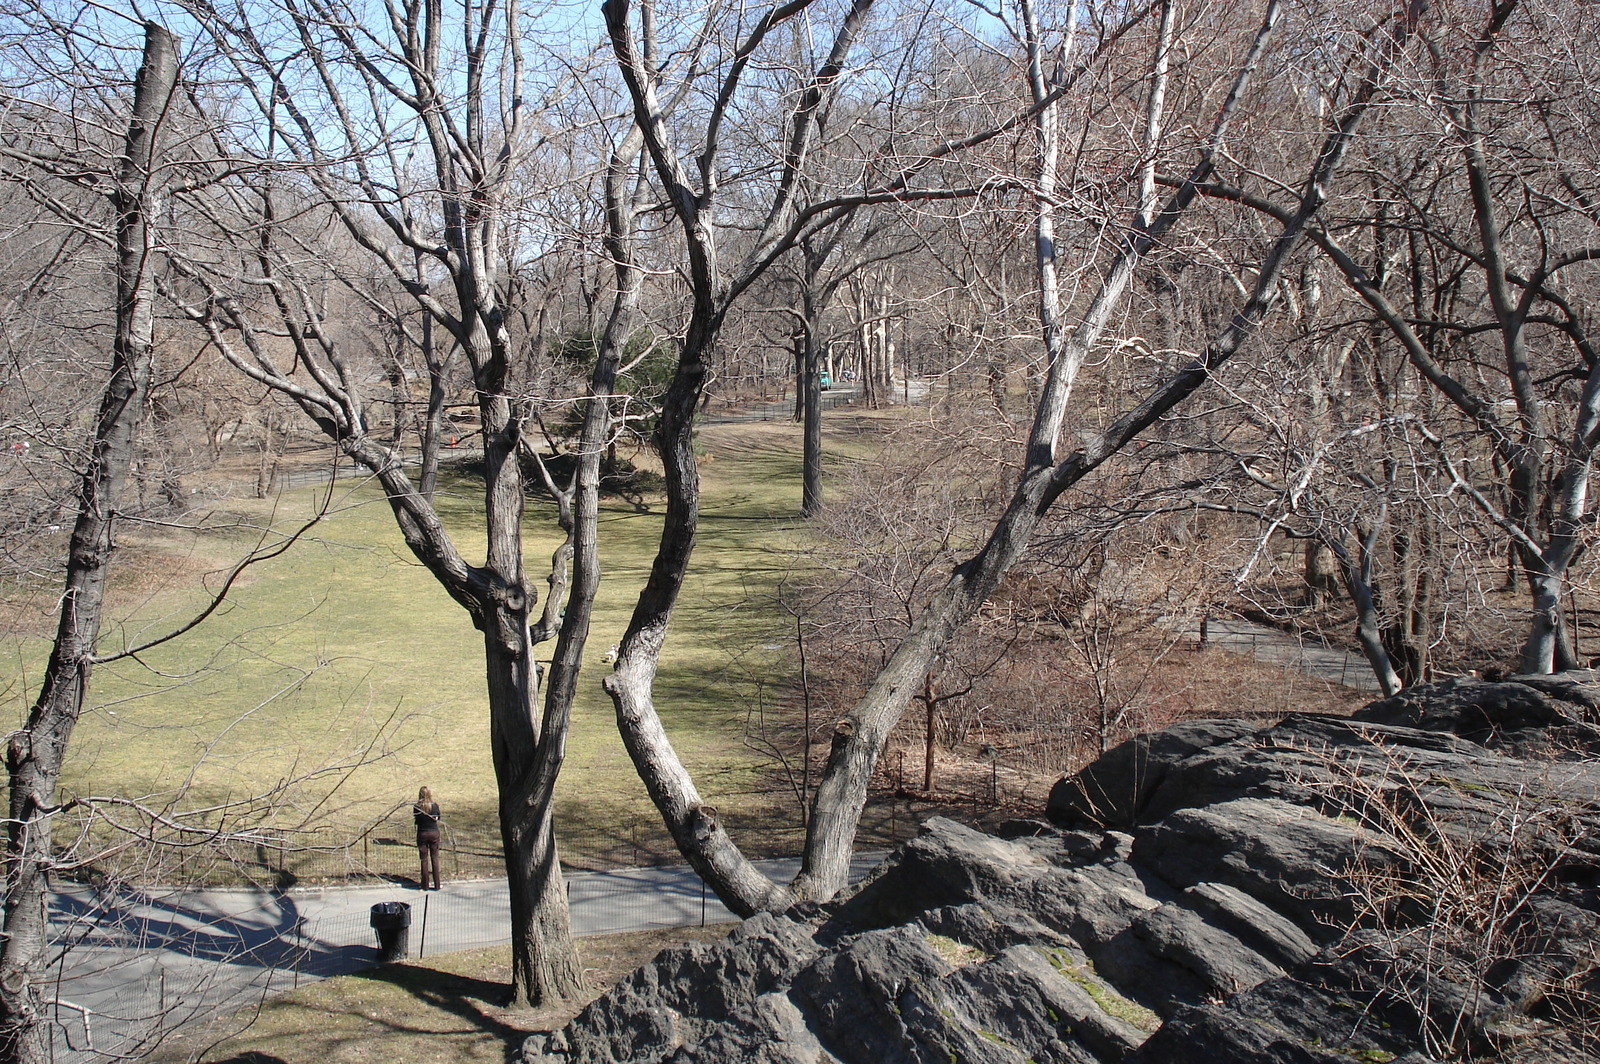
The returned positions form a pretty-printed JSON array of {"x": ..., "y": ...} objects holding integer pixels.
[
  {"x": 859, "y": 736},
  {"x": 35, "y": 754},
  {"x": 1356, "y": 573}
]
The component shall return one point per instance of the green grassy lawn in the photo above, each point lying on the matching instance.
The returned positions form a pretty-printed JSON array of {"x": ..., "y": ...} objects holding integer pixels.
[{"x": 344, "y": 659}]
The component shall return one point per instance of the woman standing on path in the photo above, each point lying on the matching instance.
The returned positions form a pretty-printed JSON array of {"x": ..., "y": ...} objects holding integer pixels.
[{"x": 426, "y": 816}]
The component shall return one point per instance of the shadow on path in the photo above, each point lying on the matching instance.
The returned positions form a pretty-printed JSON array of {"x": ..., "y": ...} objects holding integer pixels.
[
  {"x": 181, "y": 923},
  {"x": 269, "y": 934}
]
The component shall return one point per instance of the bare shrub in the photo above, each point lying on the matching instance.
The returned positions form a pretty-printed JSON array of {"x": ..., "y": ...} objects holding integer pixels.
[
  {"x": 1093, "y": 642},
  {"x": 1468, "y": 912}
]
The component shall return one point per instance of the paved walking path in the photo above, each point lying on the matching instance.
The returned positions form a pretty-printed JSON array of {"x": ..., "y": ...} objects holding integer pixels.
[
  {"x": 135, "y": 961},
  {"x": 1303, "y": 653}
]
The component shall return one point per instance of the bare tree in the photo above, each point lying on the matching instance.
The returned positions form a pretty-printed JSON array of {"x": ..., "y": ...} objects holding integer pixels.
[
  {"x": 442, "y": 203},
  {"x": 1469, "y": 271},
  {"x": 827, "y": 262},
  {"x": 424, "y": 180},
  {"x": 36, "y": 752},
  {"x": 691, "y": 188},
  {"x": 1050, "y": 469}
]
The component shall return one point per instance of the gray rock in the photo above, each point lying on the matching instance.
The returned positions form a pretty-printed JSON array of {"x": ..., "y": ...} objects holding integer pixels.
[
  {"x": 1323, "y": 890},
  {"x": 1285, "y": 1021},
  {"x": 947, "y": 864},
  {"x": 772, "y": 1030},
  {"x": 1259, "y": 926},
  {"x": 1220, "y": 961},
  {"x": 857, "y": 996},
  {"x": 681, "y": 995},
  {"x": 1531, "y": 716},
  {"x": 990, "y": 927},
  {"x": 1288, "y": 857},
  {"x": 1052, "y": 1004},
  {"x": 1113, "y": 791}
]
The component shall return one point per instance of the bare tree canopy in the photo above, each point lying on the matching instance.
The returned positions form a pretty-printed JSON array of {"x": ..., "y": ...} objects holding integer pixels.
[
  {"x": 1311, "y": 281},
  {"x": 36, "y": 752}
]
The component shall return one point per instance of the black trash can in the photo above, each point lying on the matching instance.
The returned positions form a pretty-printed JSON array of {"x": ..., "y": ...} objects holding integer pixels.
[{"x": 392, "y": 921}]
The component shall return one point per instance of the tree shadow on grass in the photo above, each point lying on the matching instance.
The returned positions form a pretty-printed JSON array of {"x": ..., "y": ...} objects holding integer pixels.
[{"x": 466, "y": 997}]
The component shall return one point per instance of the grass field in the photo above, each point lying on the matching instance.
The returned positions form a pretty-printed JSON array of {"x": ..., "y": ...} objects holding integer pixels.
[
  {"x": 345, "y": 650},
  {"x": 343, "y": 661}
]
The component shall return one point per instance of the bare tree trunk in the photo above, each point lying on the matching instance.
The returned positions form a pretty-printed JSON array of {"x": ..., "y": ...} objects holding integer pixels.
[
  {"x": 859, "y": 737},
  {"x": 798, "y": 367},
  {"x": 1357, "y": 575},
  {"x": 528, "y": 747},
  {"x": 1321, "y": 572},
  {"x": 267, "y": 466},
  {"x": 544, "y": 964},
  {"x": 544, "y": 956},
  {"x": 883, "y": 342},
  {"x": 36, "y": 753},
  {"x": 1549, "y": 645},
  {"x": 398, "y": 398},
  {"x": 863, "y": 343},
  {"x": 1408, "y": 635},
  {"x": 695, "y": 825},
  {"x": 811, "y": 397},
  {"x": 459, "y": 75}
]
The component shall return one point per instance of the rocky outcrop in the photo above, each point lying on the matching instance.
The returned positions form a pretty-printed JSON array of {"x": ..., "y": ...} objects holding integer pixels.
[{"x": 1415, "y": 882}]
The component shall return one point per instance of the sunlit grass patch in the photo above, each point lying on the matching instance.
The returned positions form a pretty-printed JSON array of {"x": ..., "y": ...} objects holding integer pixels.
[{"x": 346, "y": 649}]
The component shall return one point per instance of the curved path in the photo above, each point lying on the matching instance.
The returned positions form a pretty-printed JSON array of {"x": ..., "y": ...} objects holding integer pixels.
[
  {"x": 1302, "y": 653},
  {"x": 134, "y": 962}
]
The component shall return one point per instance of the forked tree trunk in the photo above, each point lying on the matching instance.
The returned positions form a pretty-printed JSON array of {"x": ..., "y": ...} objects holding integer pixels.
[
  {"x": 528, "y": 746},
  {"x": 1549, "y": 646},
  {"x": 474, "y": 159},
  {"x": 36, "y": 753},
  {"x": 859, "y": 737}
]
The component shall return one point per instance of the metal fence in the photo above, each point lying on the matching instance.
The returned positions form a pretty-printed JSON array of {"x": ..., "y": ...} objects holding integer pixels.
[
  {"x": 386, "y": 852},
  {"x": 1301, "y": 653}
]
